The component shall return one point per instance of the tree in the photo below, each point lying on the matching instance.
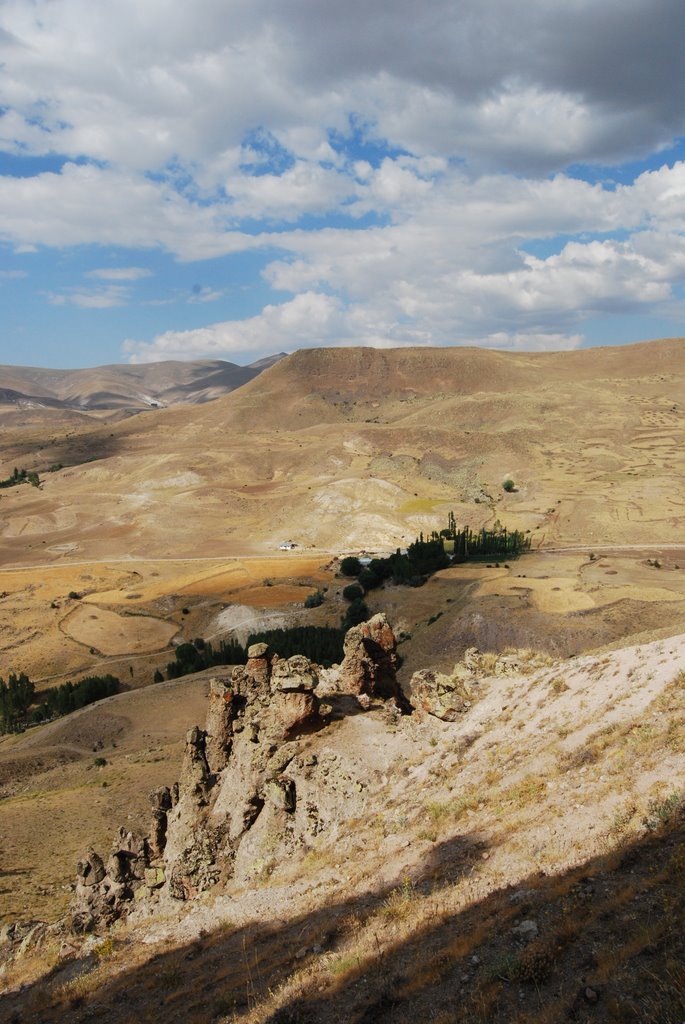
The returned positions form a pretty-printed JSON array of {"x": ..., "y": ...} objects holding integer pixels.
[
  {"x": 350, "y": 566},
  {"x": 357, "y": 612},
  {"x": 368, "y": 579}
]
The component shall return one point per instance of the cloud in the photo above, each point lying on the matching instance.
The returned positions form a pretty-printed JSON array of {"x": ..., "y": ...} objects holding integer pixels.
[
  {"x": 311, "y": 318},
  {"x": 405, "y": 174},
  {"x": 514, "y": 83},
  {"x": 96, "y": 298},
  {"x": 85, "y": 205},
  {"x": 120, "y": 273},
  {"x": 451, "y": 266},
  {"x": 200, "y": 294}
]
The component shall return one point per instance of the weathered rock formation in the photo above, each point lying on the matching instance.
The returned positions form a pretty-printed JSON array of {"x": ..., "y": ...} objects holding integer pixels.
[
  {"x": 442, "y": 696},
  {"x": 250, "y": 792},
  {"x": 103, "y": 892},
  {"x": 369, "y": 667},
  {"x": 238, "y": 777}
]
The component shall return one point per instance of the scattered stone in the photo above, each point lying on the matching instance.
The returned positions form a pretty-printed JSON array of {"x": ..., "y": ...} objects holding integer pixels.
[
  {"x": 444, "y": 697},
  {"x": 281, "y": 792},
  {"x": 67, "y": 950},
  {"x": 526, "y": 930}
]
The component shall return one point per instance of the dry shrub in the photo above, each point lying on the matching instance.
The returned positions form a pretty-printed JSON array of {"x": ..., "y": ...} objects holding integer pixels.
[
  {"x": 535, "y": 964},
  {"x": 401, "y": 901}
]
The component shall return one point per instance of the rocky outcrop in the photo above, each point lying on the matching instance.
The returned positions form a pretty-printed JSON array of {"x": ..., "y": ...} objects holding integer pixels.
[
  {"x": 444, "y": 697},
  {"x": 218, "y": 728},
  {"x": 194, "y": 782},
  {"x": 104, "y": 892},
  {"x": 236, "y": 782},
  {"x": 449, "y": 696},
  {"x": 369, "y": 667}
]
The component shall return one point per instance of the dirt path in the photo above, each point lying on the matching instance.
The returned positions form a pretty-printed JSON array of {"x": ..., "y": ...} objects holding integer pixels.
[
  {"x": 132, "y": 559},
  {"x": 611, "y": 549}
]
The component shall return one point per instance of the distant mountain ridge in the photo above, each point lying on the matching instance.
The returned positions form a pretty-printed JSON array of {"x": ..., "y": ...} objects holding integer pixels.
[{"x": 125, "y": 387}]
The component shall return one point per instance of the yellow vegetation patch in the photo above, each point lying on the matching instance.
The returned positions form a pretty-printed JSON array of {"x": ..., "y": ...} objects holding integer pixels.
[
  {"x": 555, "y": 595},
  {"x": 470, "y": 571},
  {"x": 114, "y": 634},
  {"x": 415, "y": 506},
  {"x": 609, "y": 595},
  {"x": 274, "y": 596},
  {"x": 208, "y": 579}
]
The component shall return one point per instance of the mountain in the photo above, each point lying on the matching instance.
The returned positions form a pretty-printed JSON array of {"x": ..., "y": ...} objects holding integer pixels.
[
  {"x": 354, "y": 448},
  {"x": 124, "y": 387},
  {"x": 510, "y": 851}
]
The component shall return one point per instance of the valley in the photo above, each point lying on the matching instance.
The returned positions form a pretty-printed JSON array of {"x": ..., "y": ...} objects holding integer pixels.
[{"x": 166, "y": 526}]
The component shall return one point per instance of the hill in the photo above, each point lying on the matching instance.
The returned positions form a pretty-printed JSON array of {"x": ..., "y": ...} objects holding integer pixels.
[
  {"x": 104, "y": 389},
  {"x": 521, "y": 862},
  {"x": 349, "y": 448}
]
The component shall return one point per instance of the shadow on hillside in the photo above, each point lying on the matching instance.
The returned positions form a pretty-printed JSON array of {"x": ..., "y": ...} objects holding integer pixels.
[
  {"x": 610, "y": 946},
  {"x": 89, "y": 444},
  {"x": 345, "y": 705}
]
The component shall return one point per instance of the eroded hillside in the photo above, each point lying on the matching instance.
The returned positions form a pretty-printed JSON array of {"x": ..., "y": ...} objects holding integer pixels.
[
  {"x": 347, "y": 448},
  {"x": 520, "y": 862}
]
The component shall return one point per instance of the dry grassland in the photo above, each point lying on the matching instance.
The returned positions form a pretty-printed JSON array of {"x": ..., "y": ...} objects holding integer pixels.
[
  {"x": 127, "y": 615},
  {"x": 55, "y": 802}
]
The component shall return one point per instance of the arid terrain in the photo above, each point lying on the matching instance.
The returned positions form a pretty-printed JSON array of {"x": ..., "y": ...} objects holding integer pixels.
[
  {"x": 554, "y": 798},
  {"x": 341, "y": 450},
  {"x": 27, "y": 391},
  {"x": 351, "y": 448}
]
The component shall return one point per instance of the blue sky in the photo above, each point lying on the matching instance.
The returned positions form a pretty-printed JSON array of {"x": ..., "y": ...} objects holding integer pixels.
[{"x": 234, "y": 178}]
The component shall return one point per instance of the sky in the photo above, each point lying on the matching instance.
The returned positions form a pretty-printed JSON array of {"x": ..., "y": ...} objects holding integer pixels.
[{"x": 233, "y": 178}]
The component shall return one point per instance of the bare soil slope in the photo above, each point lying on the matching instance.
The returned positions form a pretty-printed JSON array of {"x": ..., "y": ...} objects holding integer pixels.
[
  {"x": 341, "y": 448},
  {"x": 523, "y": 863},
  {"x": 104, "y": 388}
]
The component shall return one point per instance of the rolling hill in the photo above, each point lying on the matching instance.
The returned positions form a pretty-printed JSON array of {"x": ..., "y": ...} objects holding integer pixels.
[
  {"x": 123, "y": 387},
  {"x": 350, "y": 448}
]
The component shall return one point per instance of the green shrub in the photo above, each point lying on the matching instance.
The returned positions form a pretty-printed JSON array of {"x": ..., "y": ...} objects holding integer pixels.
[
  {"x": 321, "y": 644},
  {"x": 357, "y": 612},
  {"x": 350, "y": 566},
  {"x": 313, "y": 600},
  {"x": 508, "y": 485},
  {"x": 353, "y": 592},
  {"x": 368, "y": 579}
]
